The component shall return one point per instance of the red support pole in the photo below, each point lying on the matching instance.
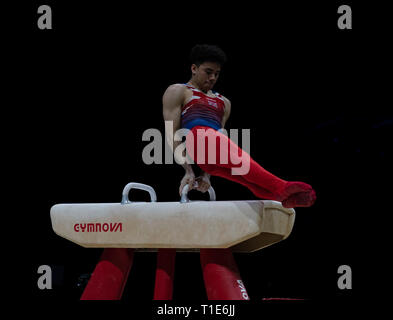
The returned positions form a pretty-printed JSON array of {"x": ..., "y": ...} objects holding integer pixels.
[
  {"x": 221, "y": 275},
  {"x": 110, "y": 275},
  {"x": 163, "y": 289}
]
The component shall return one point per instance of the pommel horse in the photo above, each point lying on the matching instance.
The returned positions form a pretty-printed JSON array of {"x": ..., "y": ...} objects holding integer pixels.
[{"x": 213, "y": 228}]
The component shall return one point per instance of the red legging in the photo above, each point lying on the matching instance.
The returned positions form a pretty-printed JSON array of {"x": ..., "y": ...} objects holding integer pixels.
[{"x": 225, "y": 159}]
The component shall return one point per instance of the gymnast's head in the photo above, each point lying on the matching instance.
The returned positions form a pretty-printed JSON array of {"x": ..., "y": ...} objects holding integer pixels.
[{"x": 206, "y": 63}]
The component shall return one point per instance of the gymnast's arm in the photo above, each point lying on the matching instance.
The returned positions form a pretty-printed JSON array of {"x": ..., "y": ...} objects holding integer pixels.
[
  {"x": 172, "y": 102},
  {"x": 227, "y": 112}
]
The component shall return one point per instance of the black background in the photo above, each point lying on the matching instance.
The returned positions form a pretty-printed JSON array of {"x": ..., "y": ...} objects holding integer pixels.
[{"x": 315, "y": 98}]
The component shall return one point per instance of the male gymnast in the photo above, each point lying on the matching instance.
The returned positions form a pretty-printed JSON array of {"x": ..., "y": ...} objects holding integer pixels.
[{"x": 195, "y": 106}]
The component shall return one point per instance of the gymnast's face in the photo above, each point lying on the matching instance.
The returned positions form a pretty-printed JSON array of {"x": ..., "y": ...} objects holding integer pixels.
[{"x": 205, "y": 75}]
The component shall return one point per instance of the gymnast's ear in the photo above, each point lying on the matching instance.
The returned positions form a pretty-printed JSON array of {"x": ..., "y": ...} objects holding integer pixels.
[{"x": 194, "y": 68}]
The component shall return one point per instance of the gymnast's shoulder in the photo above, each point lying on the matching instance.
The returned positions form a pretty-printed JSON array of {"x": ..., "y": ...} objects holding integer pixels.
[
  {"x": 174, "y": 95},
  {"x": 176, "y": 88},
  {"x": 227, "y": 102}
]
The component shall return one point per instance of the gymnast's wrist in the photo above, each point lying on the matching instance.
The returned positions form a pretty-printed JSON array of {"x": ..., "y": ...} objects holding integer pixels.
[
  {"x": 188, "y": 168},
  {"x": 205, "y": 174}
]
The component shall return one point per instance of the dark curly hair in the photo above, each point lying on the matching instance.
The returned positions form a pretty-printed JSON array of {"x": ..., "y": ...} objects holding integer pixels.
[{"x": 207, "y": 53}]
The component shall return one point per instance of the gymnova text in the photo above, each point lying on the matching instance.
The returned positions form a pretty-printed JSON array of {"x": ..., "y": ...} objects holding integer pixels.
[
  {"x": 208, "y": 146},
  {"x": 98, "y": 227}
]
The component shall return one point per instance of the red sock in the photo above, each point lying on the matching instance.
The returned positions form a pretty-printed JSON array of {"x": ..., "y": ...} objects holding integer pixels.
[{"x": 300, "y": 199}]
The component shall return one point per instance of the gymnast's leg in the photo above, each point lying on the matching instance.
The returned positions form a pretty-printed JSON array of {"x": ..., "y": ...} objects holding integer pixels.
[{"x": 261, "y": 182}]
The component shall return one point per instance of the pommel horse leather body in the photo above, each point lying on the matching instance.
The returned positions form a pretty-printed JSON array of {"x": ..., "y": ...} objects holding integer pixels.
[
  {"x": 244, "y": 226},
  {"x": 215, "y": 228}
]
